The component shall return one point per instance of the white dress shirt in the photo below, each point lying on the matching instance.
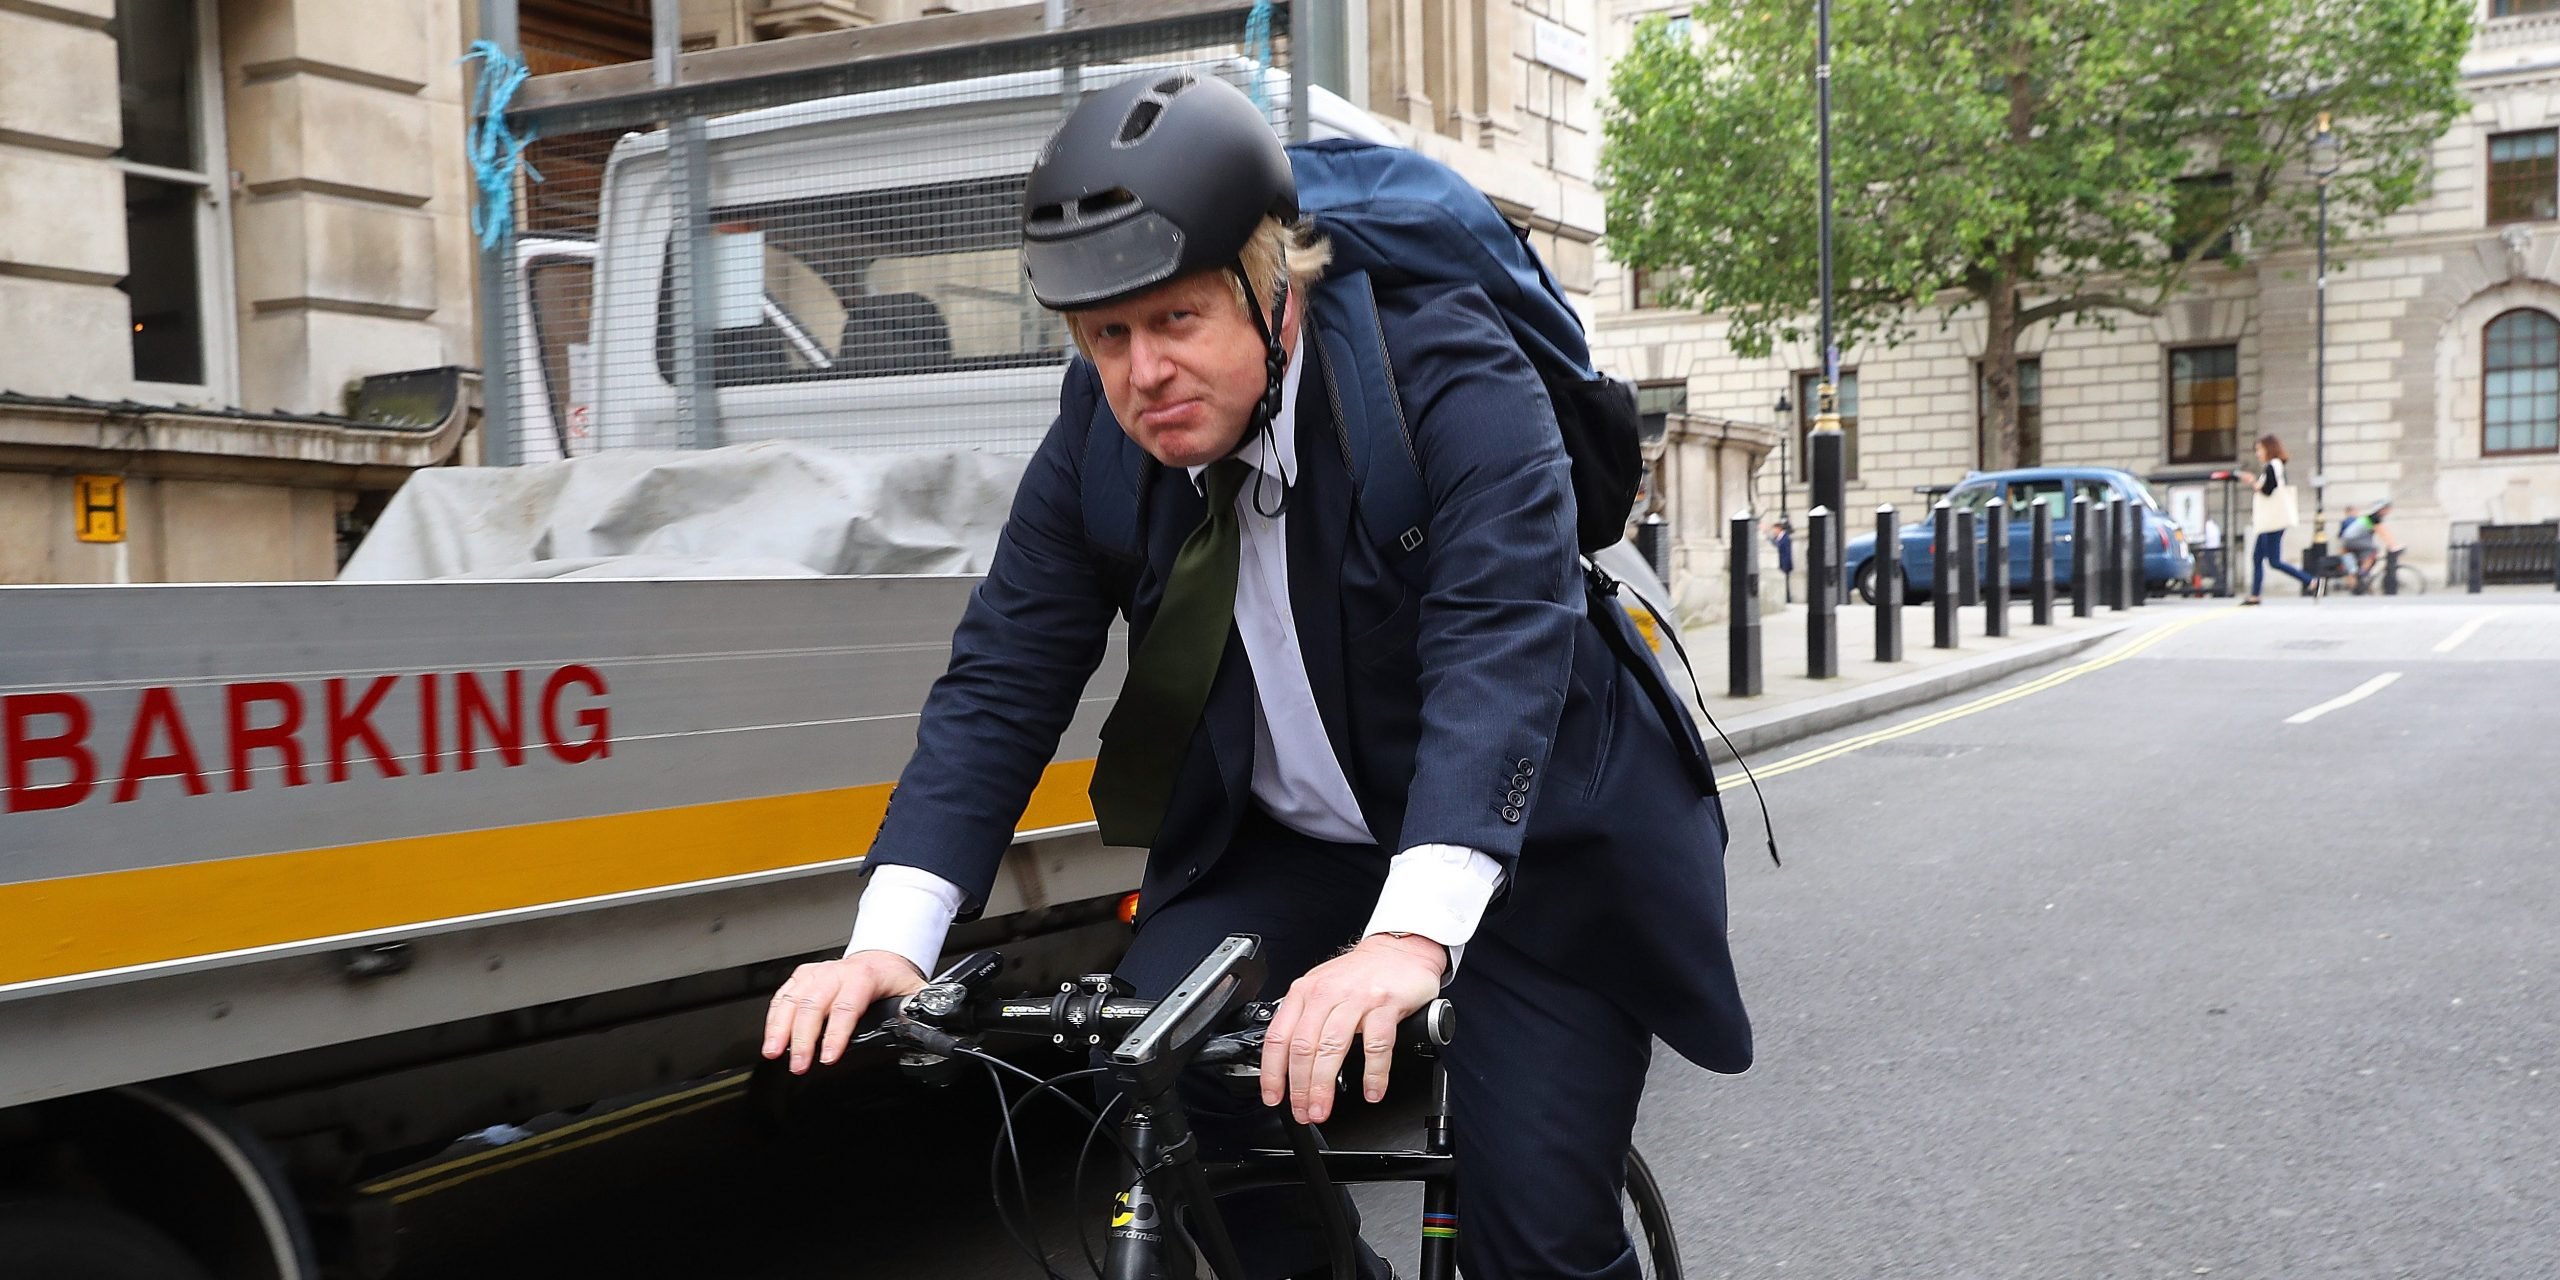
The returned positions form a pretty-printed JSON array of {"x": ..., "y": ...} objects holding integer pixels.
[{"x": 1438, "y": 891}]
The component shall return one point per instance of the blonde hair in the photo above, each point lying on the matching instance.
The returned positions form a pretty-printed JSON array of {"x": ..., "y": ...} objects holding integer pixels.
[
  {"x": 1275, "y": 246},
  {"x": 1301, "y": 250}
]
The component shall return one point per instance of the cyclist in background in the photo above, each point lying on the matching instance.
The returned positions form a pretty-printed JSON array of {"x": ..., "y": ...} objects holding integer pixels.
[{"x": 2364, "y": 539}]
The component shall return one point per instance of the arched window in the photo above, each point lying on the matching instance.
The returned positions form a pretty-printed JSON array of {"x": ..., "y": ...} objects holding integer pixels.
[{"x": 2520, "y": 389}]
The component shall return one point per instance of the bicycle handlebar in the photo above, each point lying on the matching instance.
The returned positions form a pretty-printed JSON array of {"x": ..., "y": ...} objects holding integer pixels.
[{"x": 1201, "y": 1023}]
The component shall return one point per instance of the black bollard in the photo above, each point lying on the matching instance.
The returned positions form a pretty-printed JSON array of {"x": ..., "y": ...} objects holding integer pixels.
[
  {"x": 2391, "y": 572},
  {"x": 1995, "y": 568},
  {"x": 1742, "y": 646},
  {"x": 2478, "y": 569},
  {"x": 1887, "y": 567},
  {"x": 2116, "y": 539},
  {"x": 1653, "y": 542},
  {"x": 1942, "y": 571},
  {"x": 1969, "y": 558},
  {"x": 2084, "y": 532},
  {"x": 2137, "y": 557},
  {"x": 2040, "y": 565},
  {"x": 1822, "y": 603}
]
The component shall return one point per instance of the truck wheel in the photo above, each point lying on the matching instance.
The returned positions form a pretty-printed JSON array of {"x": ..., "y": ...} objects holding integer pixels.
[{"x": 77, "y": 1240}]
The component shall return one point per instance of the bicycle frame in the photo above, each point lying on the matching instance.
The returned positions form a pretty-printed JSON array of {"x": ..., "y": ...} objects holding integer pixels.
[
  {"x": 1145, "y": 1244},
  {"x": 1145, "y": 1240}
]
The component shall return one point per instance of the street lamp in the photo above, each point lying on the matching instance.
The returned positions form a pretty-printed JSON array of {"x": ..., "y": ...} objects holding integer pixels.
[
  {"x": 1786, "y": 481},
  {"x": 2324, "y": 166},
  {"x": 1826, "y": 448},
  {"x": 1786, "y": 477}
]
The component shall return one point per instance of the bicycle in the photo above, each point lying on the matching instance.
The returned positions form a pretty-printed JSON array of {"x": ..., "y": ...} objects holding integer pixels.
[
  {"x": 1168, "y": 1220},
  {"x": 2344, "y": 572}
]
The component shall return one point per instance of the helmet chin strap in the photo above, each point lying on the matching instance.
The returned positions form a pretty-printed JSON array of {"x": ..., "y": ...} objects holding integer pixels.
[{"x": 1275, "y": 363}]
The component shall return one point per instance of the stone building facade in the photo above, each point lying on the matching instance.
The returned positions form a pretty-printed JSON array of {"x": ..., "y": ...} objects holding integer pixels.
[
  {"x": 216, "y": 218},
  {"x": 2418, "y": 311}
]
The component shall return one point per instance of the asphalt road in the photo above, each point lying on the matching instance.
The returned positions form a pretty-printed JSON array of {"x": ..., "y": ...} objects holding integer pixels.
[{"x": 2119, "y": 974}]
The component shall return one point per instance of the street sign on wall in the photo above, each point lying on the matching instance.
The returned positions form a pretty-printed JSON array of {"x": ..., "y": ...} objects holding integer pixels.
[
  {"x": 1558, "y": 46},
  {"x": 97, "y": 507}
]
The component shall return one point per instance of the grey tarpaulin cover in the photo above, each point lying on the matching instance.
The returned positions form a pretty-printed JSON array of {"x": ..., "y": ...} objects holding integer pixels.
[{"x": 776, "y": 508}]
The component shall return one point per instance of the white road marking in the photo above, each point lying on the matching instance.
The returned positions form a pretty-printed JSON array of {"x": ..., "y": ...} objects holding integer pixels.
[
  {"x": 2349, "y": 698},
  {"x": 2465, "y": 632}
]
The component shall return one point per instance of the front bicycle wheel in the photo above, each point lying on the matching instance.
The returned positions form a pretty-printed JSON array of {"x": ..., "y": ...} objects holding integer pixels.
[{"x": 1648, "y": 1221}]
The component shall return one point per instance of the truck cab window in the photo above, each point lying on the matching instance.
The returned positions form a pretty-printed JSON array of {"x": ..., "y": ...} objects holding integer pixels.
[{"x": 898, "y": 282}]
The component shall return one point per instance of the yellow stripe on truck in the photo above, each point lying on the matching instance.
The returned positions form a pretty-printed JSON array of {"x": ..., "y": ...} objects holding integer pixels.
[{"x": 86, "y": 924}]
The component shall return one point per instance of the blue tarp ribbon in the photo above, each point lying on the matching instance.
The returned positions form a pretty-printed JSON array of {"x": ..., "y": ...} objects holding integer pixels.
[{"x": 496, "y": 151}]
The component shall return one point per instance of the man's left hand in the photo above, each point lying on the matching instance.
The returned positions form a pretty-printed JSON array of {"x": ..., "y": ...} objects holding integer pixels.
[{"x": 1365, "y": 992}]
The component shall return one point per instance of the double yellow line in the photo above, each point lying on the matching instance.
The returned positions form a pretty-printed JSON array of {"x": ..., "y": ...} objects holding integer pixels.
[
  {"x": 444, "y": 1175},
  {"x": 1984, "y": 703}
]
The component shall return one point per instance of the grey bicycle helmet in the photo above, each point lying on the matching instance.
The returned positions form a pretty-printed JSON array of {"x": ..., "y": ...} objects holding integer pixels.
[{"x": 1149, "y": 179}]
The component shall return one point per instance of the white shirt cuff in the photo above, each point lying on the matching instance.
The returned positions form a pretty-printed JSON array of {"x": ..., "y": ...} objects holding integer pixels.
[
  {"x": 1439, "y": 891},
  {"x": 906, "y": 911}
]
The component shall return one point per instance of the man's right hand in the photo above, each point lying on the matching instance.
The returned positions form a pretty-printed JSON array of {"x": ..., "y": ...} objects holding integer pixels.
[{"x": 831, "y": 996}]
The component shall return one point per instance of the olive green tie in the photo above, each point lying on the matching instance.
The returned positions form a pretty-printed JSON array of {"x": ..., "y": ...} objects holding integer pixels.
[{"x": 1150, "y": 727}]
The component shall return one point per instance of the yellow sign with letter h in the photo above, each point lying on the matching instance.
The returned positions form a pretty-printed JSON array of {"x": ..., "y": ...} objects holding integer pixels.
[{"x": 98, "y": 508}]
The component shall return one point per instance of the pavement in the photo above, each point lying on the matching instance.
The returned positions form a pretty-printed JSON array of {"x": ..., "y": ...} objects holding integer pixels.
[
  {"x": 1792, "y": 705},
  {"x": 2219, "y": 944}
]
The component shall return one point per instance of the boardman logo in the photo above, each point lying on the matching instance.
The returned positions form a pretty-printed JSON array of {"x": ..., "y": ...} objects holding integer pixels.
[{"x": 58, "y": 750}]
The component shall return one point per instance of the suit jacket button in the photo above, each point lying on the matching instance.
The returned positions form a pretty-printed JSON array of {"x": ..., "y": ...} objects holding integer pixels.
[
  {"x": 1519, "y": 780},
  {"x": 1510, "y": 813},
  {"x": 1526, "y": 765},
  {"x": 1191, "y": 873},
  {"x": 1518, "y": 798}
]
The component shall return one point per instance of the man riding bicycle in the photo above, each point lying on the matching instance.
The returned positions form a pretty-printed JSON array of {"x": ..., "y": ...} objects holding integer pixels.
[
  {"x": 1398, "y": 790},
  {"x": 2362, "y": 538}
]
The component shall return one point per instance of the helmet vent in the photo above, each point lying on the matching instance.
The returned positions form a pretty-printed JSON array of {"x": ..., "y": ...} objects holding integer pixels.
[
  {"x": 1142, "y": 117},
  {"x": 1172, "y": 85},
  {"x": 1101, "y": 203}
]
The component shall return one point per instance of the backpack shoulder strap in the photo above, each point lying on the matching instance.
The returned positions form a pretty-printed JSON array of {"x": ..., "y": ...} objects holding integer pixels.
[{"x": 1386, "y": 475}]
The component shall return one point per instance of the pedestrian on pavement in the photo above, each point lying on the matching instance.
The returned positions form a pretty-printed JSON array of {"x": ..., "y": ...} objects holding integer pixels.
[
  {"x": 2271, "y": 512},
  {"x": 1782, "y": 538},
  {"x": 1378, "y": 780}
]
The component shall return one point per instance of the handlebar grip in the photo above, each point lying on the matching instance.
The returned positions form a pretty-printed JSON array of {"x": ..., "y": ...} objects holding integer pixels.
[{"x": 1428, "y": 1033}]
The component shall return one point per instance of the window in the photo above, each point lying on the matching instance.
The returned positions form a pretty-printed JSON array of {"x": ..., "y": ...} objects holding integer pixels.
[
  {"x": 1647, "y": 287},
  {"x": 2524, "y": 176},
  {"x": 2520, "y": 386},
  {"x": 561, "y": 292},
  {"x": 869, "y": 284},
  {"x": 2030, "y": 416},
  {"x": 2204, "y": 404},
  {"x": 1809, "y": 407},
  {"x": 2516, "y": 8},
  {"x": 173, "y": 210},
  {"x": 1656, "y": 402},
  {"x": 2052, "y": 495},
  {"x": 2201, "y": 208},
  {"x": 1976, "y": 496}
]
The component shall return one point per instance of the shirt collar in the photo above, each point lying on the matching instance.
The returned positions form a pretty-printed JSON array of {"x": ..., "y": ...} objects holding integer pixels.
[{"x": 1274, "y": 454}]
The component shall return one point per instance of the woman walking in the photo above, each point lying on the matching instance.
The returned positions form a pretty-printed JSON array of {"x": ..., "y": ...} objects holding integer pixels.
[{"x": 2271, "y": 512}]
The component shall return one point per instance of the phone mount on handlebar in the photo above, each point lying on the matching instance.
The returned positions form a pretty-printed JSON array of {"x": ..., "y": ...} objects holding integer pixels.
[{"x": 1154, "y": 1053}]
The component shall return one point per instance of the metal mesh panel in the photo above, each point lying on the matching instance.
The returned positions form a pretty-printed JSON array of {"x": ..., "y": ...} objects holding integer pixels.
[{"x": 829, "y": 256}]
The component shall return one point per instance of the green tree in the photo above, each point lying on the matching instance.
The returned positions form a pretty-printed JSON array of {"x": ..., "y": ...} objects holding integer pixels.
[{"x": 2042, "y": 159}]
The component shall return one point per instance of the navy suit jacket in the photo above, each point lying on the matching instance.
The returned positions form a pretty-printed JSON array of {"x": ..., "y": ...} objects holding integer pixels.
[{"x": 1488, "y": 712}]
